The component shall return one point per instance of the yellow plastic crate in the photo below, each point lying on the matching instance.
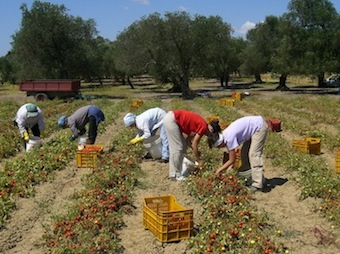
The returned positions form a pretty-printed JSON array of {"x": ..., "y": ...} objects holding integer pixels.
[
  {"x": 237, "y": 96},
  {"x": 133, "y": 108},
  {"x": 137, "y": 103},
  {"x": 227, "y": 102},
  {"x": 308, "y": 145},
  {"x": 212, "y": 118},
  {"x": 224, "y": 125},
  {"x": 238, "y": 161},
  {"x": 337, "y": 160},
  {"x": 166, "y": 219},
  {"x": 87, "y": 157}
]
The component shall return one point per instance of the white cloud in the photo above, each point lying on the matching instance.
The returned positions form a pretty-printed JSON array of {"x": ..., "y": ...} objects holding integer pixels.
[
  {"x": 182, "y": 8},
  {"x": 245, "y": 28},
  {"x": 144, "y": 2}
]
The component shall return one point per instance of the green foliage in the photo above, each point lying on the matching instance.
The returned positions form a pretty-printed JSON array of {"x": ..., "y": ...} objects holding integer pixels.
[{"x": 52, "y": 44}]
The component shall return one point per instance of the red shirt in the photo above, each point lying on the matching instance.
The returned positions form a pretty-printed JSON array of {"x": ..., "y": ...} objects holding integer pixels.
[{"x": 190, "y": 123}]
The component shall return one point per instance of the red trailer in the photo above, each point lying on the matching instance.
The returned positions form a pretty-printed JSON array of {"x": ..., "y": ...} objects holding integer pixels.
[{"x": 50, "y": 89}]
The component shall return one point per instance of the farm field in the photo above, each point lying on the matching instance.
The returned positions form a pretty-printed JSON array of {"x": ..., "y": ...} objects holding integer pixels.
[{"x": 48, "y": 205}]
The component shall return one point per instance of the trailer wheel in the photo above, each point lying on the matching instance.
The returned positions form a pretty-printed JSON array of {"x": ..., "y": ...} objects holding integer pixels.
[{"x": 41, "y": 97}]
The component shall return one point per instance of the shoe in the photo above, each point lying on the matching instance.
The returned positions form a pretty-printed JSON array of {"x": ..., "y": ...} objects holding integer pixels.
[
  {"x": 147, "y": 156},
  {"x": 163, "y": 160},
  {"x": 253, "y": 189},
  {"x": 172, "y": 178},
  {"x": 181, "y": 178}
]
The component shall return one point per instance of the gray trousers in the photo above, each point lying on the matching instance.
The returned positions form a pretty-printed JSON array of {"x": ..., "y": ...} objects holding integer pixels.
[
  {"x": 255, "y": 150},
  {"x": 177, "y": 144}
]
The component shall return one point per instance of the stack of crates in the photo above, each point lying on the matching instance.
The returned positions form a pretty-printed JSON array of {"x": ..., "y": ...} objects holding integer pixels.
[
  {"x": 308, "y": 145},
  {"x": 166, "y": 219},
  {"x": 337, "y": 160},
  {"x": 237, "y": 96},
  {"x": 274, "y": 125},
  {"x": 212, "y": 118},
  {"x": 87, "y": 157},
  {"x": 227, "y": 102}
]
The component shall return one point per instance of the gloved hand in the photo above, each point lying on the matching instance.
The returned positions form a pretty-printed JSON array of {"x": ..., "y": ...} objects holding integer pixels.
[
  {"x": 26, "y": 136},
  {"x": 72, "y": 138},
  {"x": 136, "y": 140},
  {"x": 42, "y": 134}
]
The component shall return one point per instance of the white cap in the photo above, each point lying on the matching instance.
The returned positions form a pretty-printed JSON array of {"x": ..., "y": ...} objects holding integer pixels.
[
  {"x": 218, "y": 141},
  {"x": 129, "y": 119}
]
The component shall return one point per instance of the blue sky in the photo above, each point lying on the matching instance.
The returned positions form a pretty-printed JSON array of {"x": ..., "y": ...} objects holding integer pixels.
[{"x": 113, "y": 16}]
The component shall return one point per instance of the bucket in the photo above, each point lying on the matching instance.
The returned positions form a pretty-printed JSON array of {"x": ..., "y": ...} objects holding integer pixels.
[
  {"x": 187, "y": 166},
  {"x": 154, "y": 146},
  {"x": 82, "y": 140},
  {"x": 246, "y": 175},
  {"x": 33, "y": 142}
]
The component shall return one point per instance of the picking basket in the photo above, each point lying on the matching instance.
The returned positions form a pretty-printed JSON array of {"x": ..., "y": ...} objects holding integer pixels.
[
  {"x": 337, "y": 160},
  {"x": 308, "y": 145},
  {"x": 166, "y": 219},
  {"x": 87, "y": 157}
]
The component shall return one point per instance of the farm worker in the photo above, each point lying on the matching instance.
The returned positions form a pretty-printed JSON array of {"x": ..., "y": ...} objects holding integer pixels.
[
  {"x": 91, "y": 115},
  {"x": 29, "y": 117},
  {"x": 251, "y": 131},
  {"x": 147, "y": 124},
  {"x": 176, "y": 123}
]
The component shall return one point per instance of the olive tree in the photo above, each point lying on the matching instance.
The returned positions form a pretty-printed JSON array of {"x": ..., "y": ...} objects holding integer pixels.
[
  {"x": 316, "y": 21},
  {"x": 52, "y": 44}
]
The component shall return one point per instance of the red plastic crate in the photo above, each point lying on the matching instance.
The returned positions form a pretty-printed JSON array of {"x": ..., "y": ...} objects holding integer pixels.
[{"x": 274, "y": 125}]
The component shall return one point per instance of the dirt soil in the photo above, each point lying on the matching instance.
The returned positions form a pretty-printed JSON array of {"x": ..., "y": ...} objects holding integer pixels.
[{"x": 301, "y": 226}]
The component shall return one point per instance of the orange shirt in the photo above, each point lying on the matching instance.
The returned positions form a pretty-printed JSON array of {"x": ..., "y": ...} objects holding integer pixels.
[{"x": 190, "y": 123}]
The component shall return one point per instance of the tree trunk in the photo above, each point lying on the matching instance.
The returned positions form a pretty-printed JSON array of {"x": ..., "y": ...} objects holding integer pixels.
[
  {"x": 222, "y": 81},
  {"x": 130, "y": 83},
  {"x": 321, "y": 80},
  {"x": 187, "y": 94},
  {"x": 282, "y": 85},
  {"x": 258, "y": 79}
]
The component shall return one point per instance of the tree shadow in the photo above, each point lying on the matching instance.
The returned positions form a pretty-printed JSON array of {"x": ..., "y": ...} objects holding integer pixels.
[{"x": 273, "y": 182}]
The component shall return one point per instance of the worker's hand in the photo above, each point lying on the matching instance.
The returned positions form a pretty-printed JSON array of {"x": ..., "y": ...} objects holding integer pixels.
[
  {"x": 136, "y": 140},
  {"x": 26, "y": 136},
  {"x": 72, "y": 138},
  {"x": 42, "y": 134}
]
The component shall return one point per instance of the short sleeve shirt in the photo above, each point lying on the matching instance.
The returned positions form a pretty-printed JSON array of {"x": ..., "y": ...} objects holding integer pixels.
[
  {"x": 241, "y": 130},
  {"x": 190, "y": 123}
]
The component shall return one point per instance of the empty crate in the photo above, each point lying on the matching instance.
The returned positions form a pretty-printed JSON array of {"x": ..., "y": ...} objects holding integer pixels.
[
  {"x": 212, "y": 118},
  {"x": 166, "y": 219},
  {"x": 337, "y": 160},
  {"x": 237, "y": 96},
  {"x": 224, "y": 124},
  {"x": 238, "y": 161},
  {"x": 274, "y": 125},
  {"x": 227, "y": 102},
  {"x": 308, "y": 145}
]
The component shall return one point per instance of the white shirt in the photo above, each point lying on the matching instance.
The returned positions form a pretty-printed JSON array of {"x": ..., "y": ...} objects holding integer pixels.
[
  {"x": 149, "y": 121},
  {"x": 24, "y": 121},
  {"x": 241, "y": 130}
]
